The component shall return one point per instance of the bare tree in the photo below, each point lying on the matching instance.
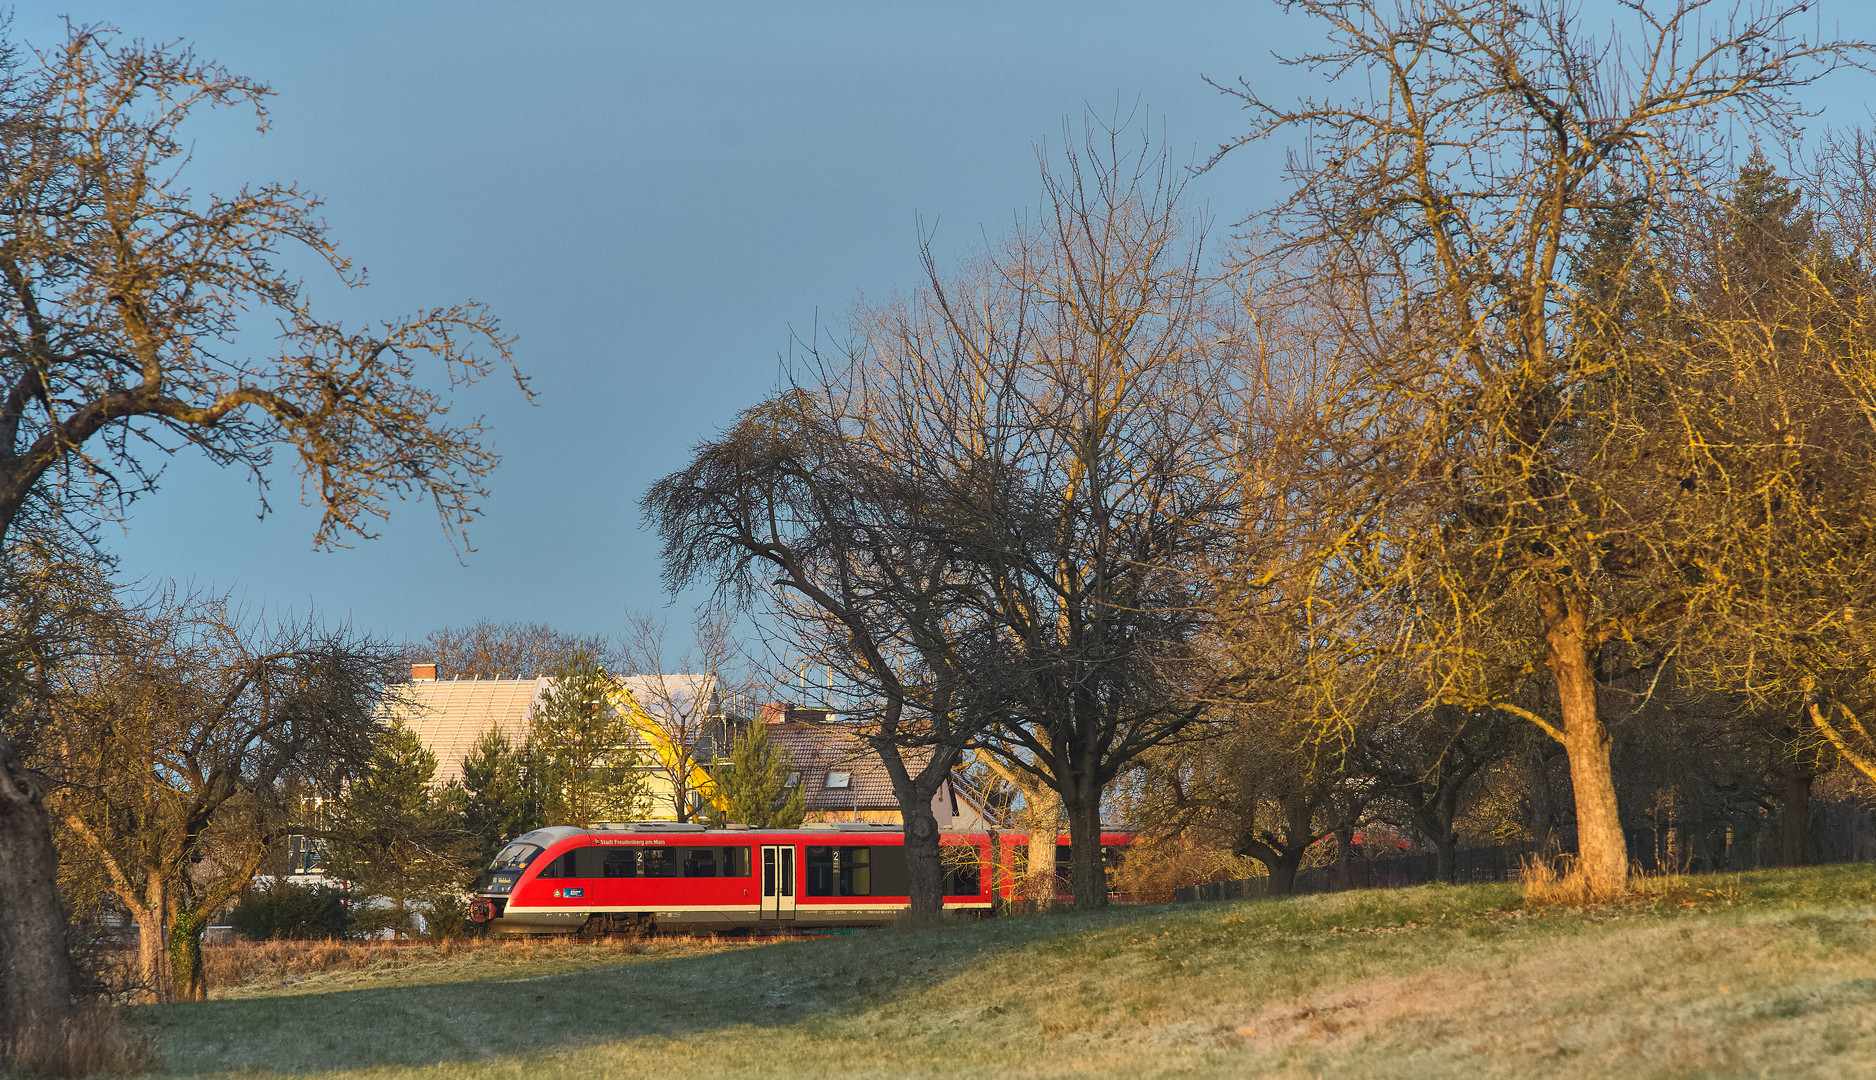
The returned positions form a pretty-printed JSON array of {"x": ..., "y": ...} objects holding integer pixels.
[
  {"x": 783, "y": 509},
  {"x": 172, "y": 741},
  {"x": 507, "y": 650},
  {"x": 125, "y": 297},
  {"x": 1425, "y": 765},
  {"x": 1085, "y": 366},
  {"x": 1007, "y": 478},
  {"x": 1505, "y": 396},
  {"x": 1778, "y": 400},
  {"x": 680, "y": 700},
  {"x": 1265, "y": 779}
]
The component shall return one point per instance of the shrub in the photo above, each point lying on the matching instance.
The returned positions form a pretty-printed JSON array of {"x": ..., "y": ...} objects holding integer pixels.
[
  {"x": 286, "y": 910},
  {"x": 447, "y": 918}
]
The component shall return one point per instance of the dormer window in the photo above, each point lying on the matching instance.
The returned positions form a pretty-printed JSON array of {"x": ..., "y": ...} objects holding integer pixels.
[
  {"x": 794, "y": 780},
  {"x": 839, "y": 779}
]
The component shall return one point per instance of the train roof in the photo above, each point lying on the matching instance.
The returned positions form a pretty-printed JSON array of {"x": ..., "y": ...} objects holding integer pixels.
[{"x": 554, "y": 834}]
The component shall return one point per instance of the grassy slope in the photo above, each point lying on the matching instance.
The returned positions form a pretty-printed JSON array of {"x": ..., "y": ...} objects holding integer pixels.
[{"x": 1768, "y": 974}]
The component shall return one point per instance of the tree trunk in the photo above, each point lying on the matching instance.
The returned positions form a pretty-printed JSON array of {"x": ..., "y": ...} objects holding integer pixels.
[
  {"x": 1045, "y": 815},
  {"x": 1343, "y": 872},
  {"x": 188, "y": 980},
  {"x": 1795, "y": 815},
  {"x": 1446, "y": 857},
  {"x": 1434, "y": 818},
  {"x": 35, "y": 968},
  {"x": 1084, "y": 839},
  {"x": 153, "y": 937},
  {"x": 995, "y": 870},
  {"x": 1281, "y": 863},
  {"x": 924, "y": 861},
  {"x": 924, "y": 865},
  {"x": 1602, "y": 852}
]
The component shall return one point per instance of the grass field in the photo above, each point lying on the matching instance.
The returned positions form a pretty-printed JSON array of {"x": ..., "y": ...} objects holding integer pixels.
[{"x": 1766, "y": 974}]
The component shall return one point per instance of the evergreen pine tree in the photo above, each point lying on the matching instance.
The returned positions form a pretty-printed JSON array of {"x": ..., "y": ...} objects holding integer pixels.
[
  {"x": 755, "y": 783},
  {"x": 501, "y": 793},
  {"x": 393, "y": 836},
  {"x": 582, "y": 748}
]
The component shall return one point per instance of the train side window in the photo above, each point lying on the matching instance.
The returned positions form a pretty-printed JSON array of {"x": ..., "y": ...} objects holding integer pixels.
[
  {"x": 736, "y": 862},
  {"x": 700, "y": 862},
  {"x": 840, "y": 871},
  {"x": 890, "y": 877},
  {"x": 820, "y": 866},
  {"x": 588, "y": 862},
  {"x": 622, "y": 863},
  {"x": 856, "y": 871},
  {"x": 559, "y": 868},
  {"x": 661, "y": 862}
]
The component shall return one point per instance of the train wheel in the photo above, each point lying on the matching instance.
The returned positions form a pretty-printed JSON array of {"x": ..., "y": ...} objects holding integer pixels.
[{"x": 615, "y": 925}]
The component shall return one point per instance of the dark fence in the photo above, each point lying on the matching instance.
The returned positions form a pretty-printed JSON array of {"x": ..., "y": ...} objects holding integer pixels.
[{"x": 1840, "y": 832}]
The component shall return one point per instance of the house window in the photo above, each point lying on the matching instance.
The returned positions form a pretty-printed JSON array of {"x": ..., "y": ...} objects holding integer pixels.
[
  {"x": 839, "y": 780},
  {"x": 794, "y": 779}
]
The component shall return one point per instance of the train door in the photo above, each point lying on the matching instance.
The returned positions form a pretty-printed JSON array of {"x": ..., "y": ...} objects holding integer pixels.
[{"x": 778, "y": 882}]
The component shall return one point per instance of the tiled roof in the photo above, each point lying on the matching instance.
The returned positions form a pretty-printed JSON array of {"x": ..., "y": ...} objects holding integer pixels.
[
  {"x": 450, "y": 715},
  {"x": 815, "y": 750}
]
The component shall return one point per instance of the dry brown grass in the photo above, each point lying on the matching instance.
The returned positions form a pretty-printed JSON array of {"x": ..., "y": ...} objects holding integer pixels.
[
  {"x": 1769, "y": 974},
  {"x": 99, "y": 1041},
  {"x": 231, "y": 965},
  {"x": 242, "y": 963},
  {"x": 1550, "y": 882}
]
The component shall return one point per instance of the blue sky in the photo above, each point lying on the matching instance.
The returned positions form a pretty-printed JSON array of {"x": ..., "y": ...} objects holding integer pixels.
[{"x": 652, "y": 197}]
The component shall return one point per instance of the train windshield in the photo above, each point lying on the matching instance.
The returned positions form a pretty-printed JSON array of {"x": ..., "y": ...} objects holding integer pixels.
[{"x": 515, "y": 856}]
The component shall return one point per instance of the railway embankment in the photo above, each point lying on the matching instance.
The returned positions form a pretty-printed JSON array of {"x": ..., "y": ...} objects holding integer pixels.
[{"x": 1768, "y": 973}]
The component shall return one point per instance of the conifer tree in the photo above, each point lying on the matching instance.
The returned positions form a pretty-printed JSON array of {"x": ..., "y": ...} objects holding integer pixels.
[
  {"x": 583, "y": 747},
  {"x": 755, "y": 784},
  {"x": 393, "y": 837},
  {"x": 501, "y": 792}
]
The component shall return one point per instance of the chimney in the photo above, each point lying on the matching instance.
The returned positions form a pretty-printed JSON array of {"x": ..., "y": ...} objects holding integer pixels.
[
  {"x": 423, "y": 673},
  {"x": 785, "y": 712}
]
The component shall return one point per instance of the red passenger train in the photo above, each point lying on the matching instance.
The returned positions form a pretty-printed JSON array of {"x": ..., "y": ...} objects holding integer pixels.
[{"x": 650, "y": 875}]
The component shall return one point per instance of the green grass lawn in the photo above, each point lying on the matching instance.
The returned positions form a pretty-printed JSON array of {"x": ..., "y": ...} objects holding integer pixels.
[{"x": 1765, "y": 974}]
